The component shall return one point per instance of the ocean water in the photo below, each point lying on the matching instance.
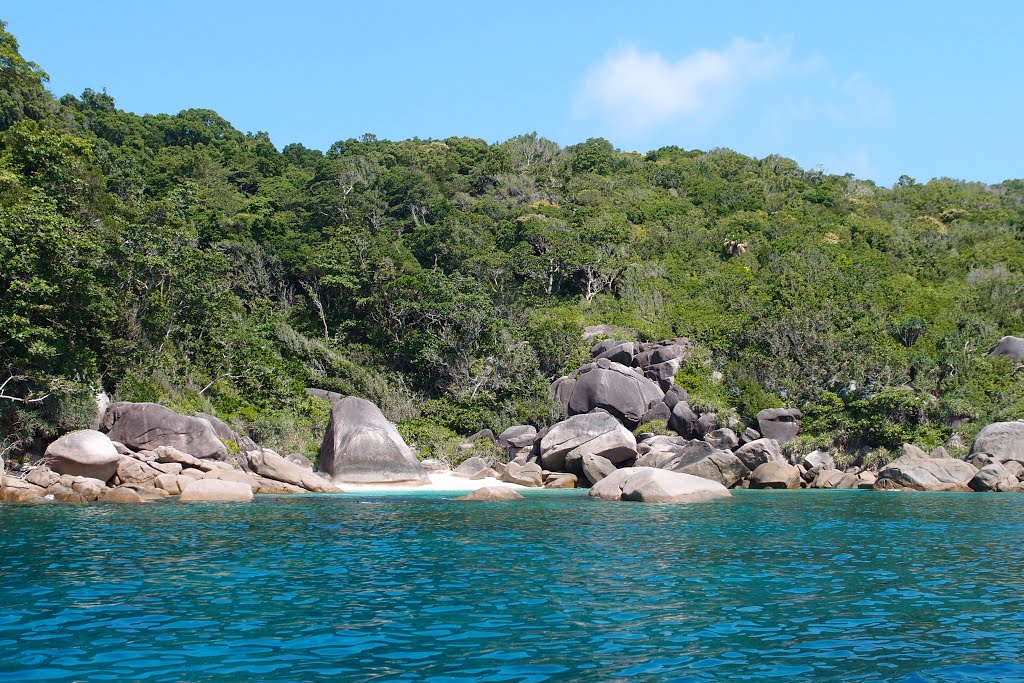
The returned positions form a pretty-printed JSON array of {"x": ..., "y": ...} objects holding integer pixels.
[{"x": 802, "y": 585}]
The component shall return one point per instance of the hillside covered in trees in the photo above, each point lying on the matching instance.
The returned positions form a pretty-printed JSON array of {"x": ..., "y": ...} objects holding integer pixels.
[{"x": 172, "y": 258}]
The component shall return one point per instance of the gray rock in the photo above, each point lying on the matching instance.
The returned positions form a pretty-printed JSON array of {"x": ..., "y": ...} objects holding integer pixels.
[
  {"x": 216, "y": 490},
  {"x": 835, "y": 479},
  {"x": 520, "y": 436},
  {"x": 749, "y": 434},
  {"x": 242, "y": 478},
  {"x": 85, "y": 453},
  {"x": 758, "y": 452},
  {"x": 170, "y": 483},
  {"x": 724, "y": 438},
  {"x": 42, "y": 476},
  {"x": 620, "y": 353},
  {"x": 994, "y": 477},
  {"x": 561, "y": 391},
  {"x": 686, "y": 422},
  {"x": 596, "y": 467},
  {"x": 667, "y": 353},
  {"x": 529, "y": 474},
  {"x": 147, "y": 426},
  {"x": 493, "y": 494},
  {"x": 913, "y": 472},
  {"x": 226, "y": 434},
  {"x": 818, "y": 460},
  {"x": 121, "y": 494},
  {"x": 775, "y": 475},
  {"x": 472, "y": 465},
  {"x": 1009, "y": 346},
  {"x": 560, "y": 480},
  {"x": 595, "y": 433},
  {"x": 324, "y": 395},
  {"x": 14, "y": 490},
  {"x": 719, "y": 465},
  {"x": 132, "y": 471},
  {"x": 781, "y": 424},
  {"x": 275, "y": 487},
  {"x": 300, "y": 460},
  {"x": 1015, "y": 469},
  {"x": 486, "y": 473},
  {"x": 1003, "y": 440},
  {"x": 269, "y": 464},
  {"x": 674, "y": 395},
  {"x": 616, "y": 388},
  {"x": 362, "y": 446},
  {"x": 650, "y": 485},
  {"x": 659, "y": 412}
]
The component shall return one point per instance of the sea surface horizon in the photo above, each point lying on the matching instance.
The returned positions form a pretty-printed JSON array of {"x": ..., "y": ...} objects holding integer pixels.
[{"x": 770, "y": 585}]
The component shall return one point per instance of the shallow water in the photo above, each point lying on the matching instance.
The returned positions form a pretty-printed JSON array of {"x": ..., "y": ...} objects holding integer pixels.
[{"x": 808, "y": 585}]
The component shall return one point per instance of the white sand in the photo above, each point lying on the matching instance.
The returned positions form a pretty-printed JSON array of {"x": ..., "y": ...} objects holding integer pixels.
[{"x": 439, "y": 481}]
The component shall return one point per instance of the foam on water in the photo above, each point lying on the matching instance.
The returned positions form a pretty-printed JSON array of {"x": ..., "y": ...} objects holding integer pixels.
[{"x": 843, "y": 586}]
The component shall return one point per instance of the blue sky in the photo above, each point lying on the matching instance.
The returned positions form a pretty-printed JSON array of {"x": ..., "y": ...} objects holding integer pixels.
[{"x": 927, "y": 89}]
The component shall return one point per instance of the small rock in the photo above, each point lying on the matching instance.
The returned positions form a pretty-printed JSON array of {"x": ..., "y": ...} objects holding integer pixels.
[
  {"x": 493, "y": 494},
  {"x": 216, "y": 490},
  {"x": 121, "y": 494},
  {"x": 775, "y": 475}
]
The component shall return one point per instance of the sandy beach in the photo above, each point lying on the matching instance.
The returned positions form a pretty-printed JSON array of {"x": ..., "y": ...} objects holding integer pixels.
[{"x": 439, "y": 481}]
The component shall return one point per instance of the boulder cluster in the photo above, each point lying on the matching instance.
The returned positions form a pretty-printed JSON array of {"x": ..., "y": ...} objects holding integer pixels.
[
  {"x": 628, "y": 384},
  {"x": 146, "y": 451}
]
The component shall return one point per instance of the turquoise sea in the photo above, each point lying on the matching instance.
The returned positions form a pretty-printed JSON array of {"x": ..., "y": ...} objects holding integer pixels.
[{"x": 802, "y": 585}]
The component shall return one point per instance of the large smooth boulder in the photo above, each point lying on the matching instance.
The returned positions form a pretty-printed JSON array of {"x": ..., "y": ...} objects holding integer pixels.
[
  {"x": 493, "y": 494},
  {"x": 147, "y": 426},
  {"x": 1002, "y": 440},
  {"x": 216, "y": 490},
  {"x": 650, "y": 485},
  {"x": 269, "y": 464},
  {"x": 925, "y": 474},
  {"x": 1009, "y": 346},
  {"x": 775, "y": 475},
  {"x": 85, "y": 453},
  {"x": 622, "y": 391},
  {"x": 781, "y": 424},
  {"x": 595, "y": 433},
  {"x": 759, "y": 452},
  {"x": 362, "y": 446}
]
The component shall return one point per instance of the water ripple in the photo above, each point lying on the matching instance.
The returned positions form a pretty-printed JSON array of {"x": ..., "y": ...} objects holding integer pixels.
[{"x": 832, "y": 586}]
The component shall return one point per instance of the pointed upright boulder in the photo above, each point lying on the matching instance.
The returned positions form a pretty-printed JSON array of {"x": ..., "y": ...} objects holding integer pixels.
[{"x": 361, "y": 446}]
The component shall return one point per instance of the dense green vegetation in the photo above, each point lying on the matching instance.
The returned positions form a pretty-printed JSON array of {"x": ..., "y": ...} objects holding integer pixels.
[{"x": 173, "y": 258}]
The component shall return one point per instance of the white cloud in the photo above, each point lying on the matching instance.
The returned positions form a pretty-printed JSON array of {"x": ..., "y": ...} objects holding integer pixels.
[{"x": 636, "y": 91}]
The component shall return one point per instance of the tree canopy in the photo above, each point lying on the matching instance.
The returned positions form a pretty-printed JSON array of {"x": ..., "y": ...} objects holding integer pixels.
[{"x": 175, "y": 258}]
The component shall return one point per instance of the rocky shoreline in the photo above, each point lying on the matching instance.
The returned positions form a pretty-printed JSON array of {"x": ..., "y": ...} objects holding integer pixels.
[{"x": 145, "y": 451}]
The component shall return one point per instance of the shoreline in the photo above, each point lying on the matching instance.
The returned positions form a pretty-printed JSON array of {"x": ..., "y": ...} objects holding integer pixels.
[{"x": 440, "y": 482}]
